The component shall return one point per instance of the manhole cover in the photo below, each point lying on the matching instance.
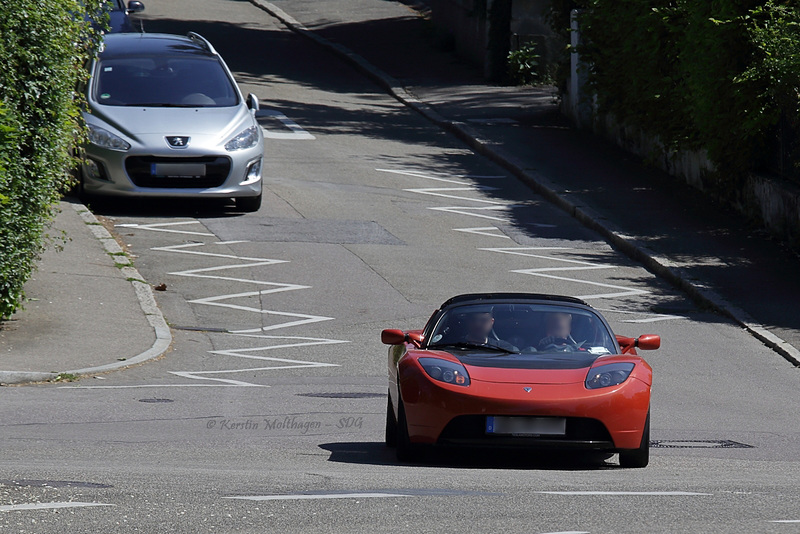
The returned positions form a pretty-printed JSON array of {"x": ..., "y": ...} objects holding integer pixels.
[
  {"x": 155, "y": 400},
  {"x": 344, "y": 395},
  {"x": 52, "y": 484},
  {"x": 698, "y": 444}
]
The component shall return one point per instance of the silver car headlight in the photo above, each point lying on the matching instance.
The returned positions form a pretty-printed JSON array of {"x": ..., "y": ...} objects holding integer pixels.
[
  {"x": 244, "y": 139},
  {"x": 105, "y": 139}
]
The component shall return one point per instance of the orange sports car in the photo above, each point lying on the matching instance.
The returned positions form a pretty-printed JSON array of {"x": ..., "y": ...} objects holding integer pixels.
[{"x": 519, "y": 370}]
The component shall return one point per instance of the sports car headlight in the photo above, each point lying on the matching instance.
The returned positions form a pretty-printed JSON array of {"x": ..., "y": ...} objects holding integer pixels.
[
  {"x": 444, "y": 371},
  {"x": 105, "y": 139},
  {"x": 245, "y": 139},
  {"x": 604, "y": 376}
]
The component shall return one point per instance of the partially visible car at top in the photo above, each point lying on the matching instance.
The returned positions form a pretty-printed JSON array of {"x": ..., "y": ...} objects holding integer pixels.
[
  {"x": 166, "y": 119},
  {"x": 521, "y": 371},
  {"x": 119, "y": 16}
]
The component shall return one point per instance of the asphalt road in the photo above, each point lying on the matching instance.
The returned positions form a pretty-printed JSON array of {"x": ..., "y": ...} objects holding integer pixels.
[{"x": 267, "y": 414}]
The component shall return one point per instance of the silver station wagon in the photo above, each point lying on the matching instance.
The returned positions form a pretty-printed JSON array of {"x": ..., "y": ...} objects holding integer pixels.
[{"x": 166, "y": 119}]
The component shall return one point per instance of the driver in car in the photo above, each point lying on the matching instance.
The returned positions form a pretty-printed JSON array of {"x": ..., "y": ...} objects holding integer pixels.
[
  {"x": 558, "y": 328},
  {"x": 479, "y": 331}
]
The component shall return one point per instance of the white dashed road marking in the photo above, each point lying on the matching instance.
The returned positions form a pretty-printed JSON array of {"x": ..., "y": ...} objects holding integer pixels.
[
  {"x": 303, "y": 496},
  {"x": 627, "y": 493},
  {"x": 49, "y": 506}
]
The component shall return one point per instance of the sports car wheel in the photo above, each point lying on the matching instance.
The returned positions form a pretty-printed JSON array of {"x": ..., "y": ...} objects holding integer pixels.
[
  {"x": 406, "y": 452},
  {"x": 391, "y": 425},
  {"x": 638, "y": 457}
]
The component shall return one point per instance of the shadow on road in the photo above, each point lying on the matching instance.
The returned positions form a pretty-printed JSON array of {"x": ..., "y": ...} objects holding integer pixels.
[{"x": 377, "y": 453}]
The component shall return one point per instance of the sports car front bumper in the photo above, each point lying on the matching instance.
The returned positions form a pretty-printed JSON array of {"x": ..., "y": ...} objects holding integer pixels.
[{"x": 610, "y": 418}]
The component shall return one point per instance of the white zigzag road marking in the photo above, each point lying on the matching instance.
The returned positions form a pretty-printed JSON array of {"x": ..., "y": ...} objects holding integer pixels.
[
  {"x": 183, "y": 250},
  {"x": 440, "y": 192},
  {"x": 486, "y": 230},
  {"x": 467, "y": 210},
  {"x": 302, "y": 342},
  {"x": 166, "y": 227},
  {"x": 436, "y": 192},
  {"x": 246, "y": 353},
  {"x": 651, "y": 317},
  {"x": 438, "y": 176},
  {"x": 305, "y": 318},
  {"x": 575, "y": 265},
  {"x": 224, "y": 301},
  {"x": 624, "y": 291}
]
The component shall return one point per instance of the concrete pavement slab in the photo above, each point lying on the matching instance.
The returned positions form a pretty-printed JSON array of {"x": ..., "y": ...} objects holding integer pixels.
[{"x": 87, "y": 310}]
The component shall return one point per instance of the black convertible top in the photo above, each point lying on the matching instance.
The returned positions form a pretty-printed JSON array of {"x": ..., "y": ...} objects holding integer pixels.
[{"x": 469, "y": 297}]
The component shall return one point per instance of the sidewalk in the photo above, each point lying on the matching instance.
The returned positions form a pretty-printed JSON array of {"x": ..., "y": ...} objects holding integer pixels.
[
  {"x": 706, "y": 249},
  {"x": 82, "y": 315}
]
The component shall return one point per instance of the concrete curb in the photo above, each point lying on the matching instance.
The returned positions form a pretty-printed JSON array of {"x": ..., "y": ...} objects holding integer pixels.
[
  {"x": 627, "y": 245},
  {"x": 144, "y": 294}
]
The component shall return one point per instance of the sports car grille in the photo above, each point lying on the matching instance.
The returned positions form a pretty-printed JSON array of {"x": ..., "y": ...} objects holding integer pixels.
[
  {"x": 580, "y": 433},
  {"x": 152, "y": 171}
]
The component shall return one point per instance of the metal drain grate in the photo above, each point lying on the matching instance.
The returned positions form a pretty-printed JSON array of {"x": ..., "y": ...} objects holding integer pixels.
[
  {"x": 344, "y": 395},
  {"x": 155, "y": 400},
  {"x": 698, "y": 444}
]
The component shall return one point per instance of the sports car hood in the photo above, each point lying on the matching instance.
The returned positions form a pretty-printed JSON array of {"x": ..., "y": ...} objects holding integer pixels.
[
  {"x": 138, "y": 121},
  {"x": 527, "y": 376},
  {"x": 528, "y": 368}
]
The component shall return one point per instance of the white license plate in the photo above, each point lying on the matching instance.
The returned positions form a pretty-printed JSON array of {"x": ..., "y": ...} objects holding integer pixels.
[
  {"x": 526, "y": 426},
  {"x": 178, "y": 170}
]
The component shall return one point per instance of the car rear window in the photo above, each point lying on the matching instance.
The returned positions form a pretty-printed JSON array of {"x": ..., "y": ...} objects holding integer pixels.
[{"x": 163, "y": 82}]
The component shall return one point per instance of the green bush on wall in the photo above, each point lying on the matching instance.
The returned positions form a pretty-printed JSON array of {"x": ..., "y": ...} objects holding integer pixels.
[
  {"x": 44, "y": 45},
  {"x": 715, "y": 75}
]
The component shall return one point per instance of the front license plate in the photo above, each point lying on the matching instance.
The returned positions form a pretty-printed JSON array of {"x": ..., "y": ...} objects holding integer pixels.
[
  {"x": 526, "y": 426},
  {"x": 178, "y": 170}
]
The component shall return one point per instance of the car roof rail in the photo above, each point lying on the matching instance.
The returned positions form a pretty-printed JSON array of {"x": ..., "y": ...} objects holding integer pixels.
[{"x": 202, "y": 41}]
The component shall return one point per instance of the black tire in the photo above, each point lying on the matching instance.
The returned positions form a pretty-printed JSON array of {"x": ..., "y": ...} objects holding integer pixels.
[
  {"x": 638, "y": 458},
  {"x": 406, "y": 452},
  {"x": 391, "y": 425},
  {"x": 249, "y": 204}
]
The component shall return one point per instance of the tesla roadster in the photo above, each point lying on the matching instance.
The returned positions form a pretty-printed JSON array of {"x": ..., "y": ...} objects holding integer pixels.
[{"x": 520, "y": 371}]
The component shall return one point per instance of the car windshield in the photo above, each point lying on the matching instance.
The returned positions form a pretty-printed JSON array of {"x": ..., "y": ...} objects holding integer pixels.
[
  {"x": 541, "y": 329},
  {"x": 182, "y": 81}
]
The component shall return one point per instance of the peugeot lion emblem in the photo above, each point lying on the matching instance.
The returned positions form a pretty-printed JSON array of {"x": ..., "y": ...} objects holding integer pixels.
[
  {"x": 178, "y": 141},
  {"x": 527, "y": 389}
]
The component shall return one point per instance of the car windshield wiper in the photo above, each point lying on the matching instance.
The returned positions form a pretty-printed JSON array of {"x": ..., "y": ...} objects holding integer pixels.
[{"x": 467, "y": 345}]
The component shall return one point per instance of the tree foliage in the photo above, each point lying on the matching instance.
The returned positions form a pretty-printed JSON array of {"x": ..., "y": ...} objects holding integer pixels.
[
  {"x": 44, "y": 45},
  {"x": 715, "y": 75}
]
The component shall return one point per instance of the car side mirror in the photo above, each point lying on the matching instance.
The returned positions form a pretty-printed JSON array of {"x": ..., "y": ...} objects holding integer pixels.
[
  {"x": 648, "y": 342},
  {"x": 392, "y": 336},
  {"x": 134, "y": 6},
  {"x": 252, "y": 102},
  {"x": 644, "y": 342}
]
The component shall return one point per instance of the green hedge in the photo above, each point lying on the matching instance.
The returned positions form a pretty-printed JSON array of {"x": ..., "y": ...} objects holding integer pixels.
[
  {"x": 44, "y": 45},
  {"x": 716, "y": 75}
]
